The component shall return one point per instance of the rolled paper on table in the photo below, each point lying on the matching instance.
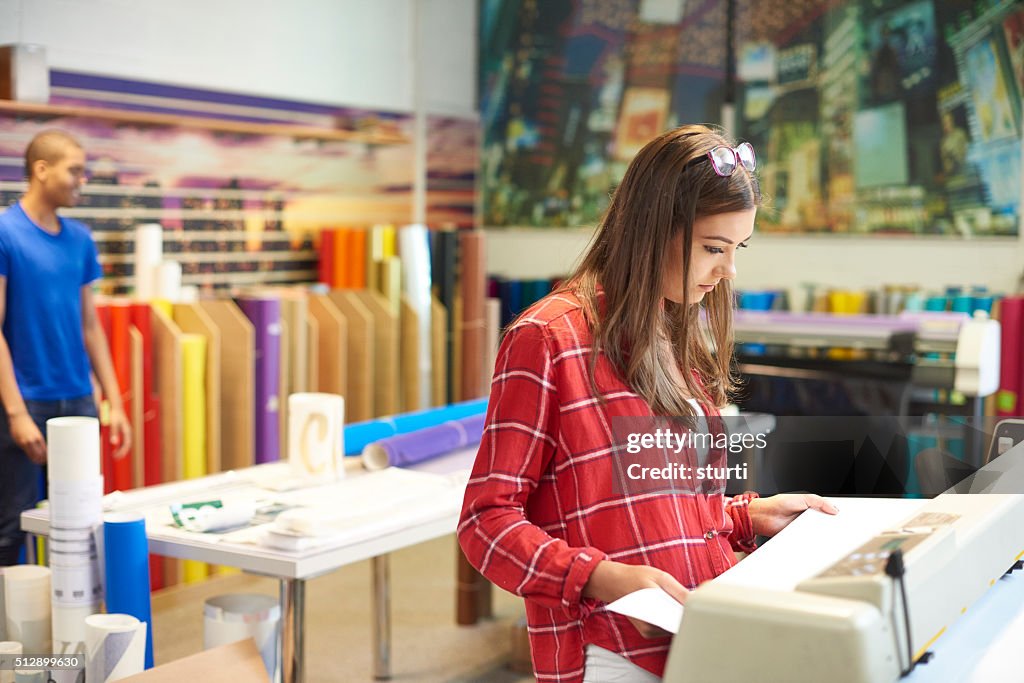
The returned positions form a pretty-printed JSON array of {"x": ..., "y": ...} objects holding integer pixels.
[
  {"x": 115, "y": 647},
  {"x": 212, "y": 518},
  {"x": 27, "y": 598},
  {"x": 360, "y": 434},
  {"x": 126, "y": 558},
  {"x": 415, "y": 447}
]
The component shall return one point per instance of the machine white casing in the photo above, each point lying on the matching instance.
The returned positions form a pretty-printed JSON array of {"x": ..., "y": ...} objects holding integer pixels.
[
  {"x": 977, "y": 356},
  {"x": 846, "y": 624}
]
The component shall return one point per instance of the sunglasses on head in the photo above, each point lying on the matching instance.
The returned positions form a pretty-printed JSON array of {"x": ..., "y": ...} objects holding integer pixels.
[{"x": 725, "y": 159}]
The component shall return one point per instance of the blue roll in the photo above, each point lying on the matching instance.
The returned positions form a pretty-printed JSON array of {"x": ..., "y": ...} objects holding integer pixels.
[
  {"x": 126, "y": 561},
  {"x": 359, "y": 434}
]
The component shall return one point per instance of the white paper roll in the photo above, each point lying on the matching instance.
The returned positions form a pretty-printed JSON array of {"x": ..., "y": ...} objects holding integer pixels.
[
  {"x": 168, "y": 281},
  {"x": 115, "y": 647},
  {"x": 8, "y": 647},
  {"x": 237, "y": 616},
  {"x": 73, "y": 448},
  {"x": 69, "y": 631},
  {"x": 315, "y": 436},
  {"x": 415, "y": 254},
  {"x": 27, "y": 594},
  {"x": 76, "y": 494},
  {"x": 149, "y": 252}
]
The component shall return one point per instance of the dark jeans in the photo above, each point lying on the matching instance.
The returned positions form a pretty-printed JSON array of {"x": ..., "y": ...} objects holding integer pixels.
[{"x": 20, "y": 477}]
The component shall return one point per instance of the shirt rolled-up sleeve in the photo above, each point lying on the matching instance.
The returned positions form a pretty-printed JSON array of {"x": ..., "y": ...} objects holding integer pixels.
[
  {"x": 517, "y": 447},
  {"x": 742, "y": 538}
]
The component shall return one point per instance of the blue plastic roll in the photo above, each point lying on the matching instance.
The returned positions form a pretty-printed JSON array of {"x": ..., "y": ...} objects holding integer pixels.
[
  {"x": 963, "y": 303},
  {"x": 359, "y": 434},
  {"x": 126, "y": 559}
]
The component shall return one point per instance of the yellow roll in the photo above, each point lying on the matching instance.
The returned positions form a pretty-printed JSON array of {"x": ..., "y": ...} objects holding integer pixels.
[
  {"x": 164, "y": 306},
  {"x": 193, "y": 409}
]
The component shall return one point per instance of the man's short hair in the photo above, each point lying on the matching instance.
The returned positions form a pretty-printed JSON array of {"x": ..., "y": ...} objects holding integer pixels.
[{"x": 49, "y": 146}]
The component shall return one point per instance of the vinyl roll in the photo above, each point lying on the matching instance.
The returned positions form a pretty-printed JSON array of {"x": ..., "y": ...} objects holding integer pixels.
[
  {"x": 168, "y": 281},
  {"x": 358, "y": 435},
  {"x": 115, "y": 647},
  {"x": 149, "y": 252},
  {"x": 76, "y": 504},
  {"x": 193, "y": 405},
  {"x": 8, "y": 647},
  {"x": 27, "y": 598},
  {"x": 265, "y": 314},
  {"x": 474, "y": 312},
  {"x": 414, "y": 252},
  {"x": 237, "y": 616},
  {"x": 1011, "y": 368},
  {"x": 73, "y": 445},
  {"x": 424, "y": 444},
  {"x": 315, "y": 436},
  {"x": 126, "y": 559}
]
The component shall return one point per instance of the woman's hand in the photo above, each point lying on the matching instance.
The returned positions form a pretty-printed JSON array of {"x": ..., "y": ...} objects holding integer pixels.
[
  {"x": 611, "y": 580},
  {"x": 771, "y": 515}
]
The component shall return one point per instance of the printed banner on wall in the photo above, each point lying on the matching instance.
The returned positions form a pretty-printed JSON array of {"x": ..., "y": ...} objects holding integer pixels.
[{"x": 880, "y": 117}]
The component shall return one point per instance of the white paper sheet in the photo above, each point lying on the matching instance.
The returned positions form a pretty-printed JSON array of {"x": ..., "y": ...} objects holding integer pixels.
[
  {"x": 652, "y": 605},
  {"x": 814, "y": 541}
]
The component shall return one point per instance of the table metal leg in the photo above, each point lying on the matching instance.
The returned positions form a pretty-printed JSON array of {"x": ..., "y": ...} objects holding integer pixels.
[
  {"x": 381, "y": 618},
  {"x": 293, "y": 609}
]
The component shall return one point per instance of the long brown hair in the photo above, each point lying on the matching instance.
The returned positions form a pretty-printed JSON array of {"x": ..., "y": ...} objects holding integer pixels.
[{"x": 635, "y": 327}]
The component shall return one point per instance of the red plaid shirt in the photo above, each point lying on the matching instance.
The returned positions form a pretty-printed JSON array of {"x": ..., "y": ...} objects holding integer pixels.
[{"x": 540, "y": 510}]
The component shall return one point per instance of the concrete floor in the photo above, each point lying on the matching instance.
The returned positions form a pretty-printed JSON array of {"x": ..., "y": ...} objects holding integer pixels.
[{"x": 427, "y": 645}]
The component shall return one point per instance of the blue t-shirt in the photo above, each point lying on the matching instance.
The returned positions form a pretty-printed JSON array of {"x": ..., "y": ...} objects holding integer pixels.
[{"x": 43, "y": 322}]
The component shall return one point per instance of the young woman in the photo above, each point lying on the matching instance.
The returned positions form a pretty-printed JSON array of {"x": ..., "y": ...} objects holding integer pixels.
[{"x": 543, "y": 515}]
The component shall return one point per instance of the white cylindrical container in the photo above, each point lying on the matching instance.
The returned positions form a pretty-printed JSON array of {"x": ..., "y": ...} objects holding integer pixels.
[
  {"x": 73, "y": 448},
  {"x": 168, "y": 281},
  {"x": 149, "y": 252},
  {"x": 115, "y": 647},
  {"x": 315, "y": 436},
  {"x": 27, "y": 594},
  {"x": 237, "y": 616}
]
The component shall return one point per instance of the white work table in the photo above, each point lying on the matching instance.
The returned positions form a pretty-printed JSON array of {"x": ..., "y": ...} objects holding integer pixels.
[{"x": 391, "y": 509}]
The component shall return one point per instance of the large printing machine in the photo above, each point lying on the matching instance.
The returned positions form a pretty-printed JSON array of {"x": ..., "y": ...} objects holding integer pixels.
[
  {"x": 926, "y": 355},
  {"x": 850, "y": 623},
  {"x": 937, "y": 350}
]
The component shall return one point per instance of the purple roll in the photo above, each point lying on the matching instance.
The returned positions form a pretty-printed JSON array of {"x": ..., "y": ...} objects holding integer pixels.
[
  {"x": 265, "y": 315},
  {"x": 415, "y": 447}
]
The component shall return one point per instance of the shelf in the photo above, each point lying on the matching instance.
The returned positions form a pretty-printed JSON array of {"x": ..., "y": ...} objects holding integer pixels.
[{"x": 200, "y": 122}]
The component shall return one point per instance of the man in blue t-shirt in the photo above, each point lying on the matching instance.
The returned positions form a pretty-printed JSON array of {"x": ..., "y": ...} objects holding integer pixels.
[{"x": 51, "y": 336}]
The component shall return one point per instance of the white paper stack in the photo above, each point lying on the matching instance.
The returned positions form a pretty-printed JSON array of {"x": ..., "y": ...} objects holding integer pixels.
[
  {"x": 316, "y": 449},
  {"x": 115, "y": 647},
  {"x": 76, "y": 508}
]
